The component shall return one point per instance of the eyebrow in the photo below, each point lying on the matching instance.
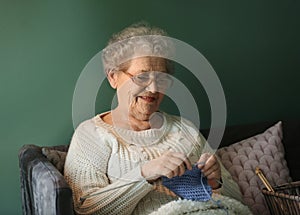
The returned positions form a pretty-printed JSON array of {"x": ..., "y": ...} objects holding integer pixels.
[{"x": 163, "y": 71}]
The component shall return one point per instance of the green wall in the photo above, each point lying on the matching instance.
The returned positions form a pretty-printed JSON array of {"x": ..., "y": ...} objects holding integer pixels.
[{"x": 254, "y": 47}]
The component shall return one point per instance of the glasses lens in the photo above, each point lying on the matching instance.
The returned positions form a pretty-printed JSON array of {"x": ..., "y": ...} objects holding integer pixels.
[
  {"x": 162, "y": 80},
  {"x": 142, "y": 79}
]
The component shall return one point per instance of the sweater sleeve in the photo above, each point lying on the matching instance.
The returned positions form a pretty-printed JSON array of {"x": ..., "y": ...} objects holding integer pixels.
[
  {"x": 229, "y": 186},
  {"x": 86, "y": 172}
]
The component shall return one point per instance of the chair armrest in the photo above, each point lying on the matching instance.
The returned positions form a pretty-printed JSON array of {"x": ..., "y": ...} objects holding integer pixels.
[{"x": 44, "y": 189}]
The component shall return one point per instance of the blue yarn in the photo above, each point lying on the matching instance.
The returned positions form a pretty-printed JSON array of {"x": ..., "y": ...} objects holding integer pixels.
[{"x": 192, "y": 185}]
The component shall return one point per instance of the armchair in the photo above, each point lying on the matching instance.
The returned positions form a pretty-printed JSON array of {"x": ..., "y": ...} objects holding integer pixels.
[
  {"x": 43, "y": 188},
  {"x": 45, "y": 191}
]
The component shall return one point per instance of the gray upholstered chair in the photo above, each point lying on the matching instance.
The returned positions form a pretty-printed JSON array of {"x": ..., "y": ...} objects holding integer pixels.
[
  {"x": 43, "y": 187},
  {"x": 45, "y": 191}
]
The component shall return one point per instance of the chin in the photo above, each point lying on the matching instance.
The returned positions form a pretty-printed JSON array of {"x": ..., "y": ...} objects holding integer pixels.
[
  {"x": 143, "y": 110},
  {"x": 144, "y": 113}
]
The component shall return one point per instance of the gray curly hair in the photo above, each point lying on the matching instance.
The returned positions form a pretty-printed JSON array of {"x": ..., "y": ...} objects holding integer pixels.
[{"x": 137, "y": 40}]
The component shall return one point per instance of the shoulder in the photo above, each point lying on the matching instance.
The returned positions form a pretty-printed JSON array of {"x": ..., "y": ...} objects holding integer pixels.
[
  {"x": 180, "y": 123},
  {"x": 86, "y": 127},
  {"x": 91, "y": 129},
  {"x": 90, "y": 138},
  {"x": 92, "y": 125}
]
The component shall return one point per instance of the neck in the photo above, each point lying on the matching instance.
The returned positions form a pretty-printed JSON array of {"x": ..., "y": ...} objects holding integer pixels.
[{"x": 133, "y": 121}]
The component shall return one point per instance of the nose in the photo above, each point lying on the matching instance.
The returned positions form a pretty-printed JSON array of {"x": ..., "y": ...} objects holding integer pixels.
[{"x": 152, "y": 87}]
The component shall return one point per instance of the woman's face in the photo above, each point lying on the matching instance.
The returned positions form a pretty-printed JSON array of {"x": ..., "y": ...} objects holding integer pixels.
[{"x": 141, "y": 101}]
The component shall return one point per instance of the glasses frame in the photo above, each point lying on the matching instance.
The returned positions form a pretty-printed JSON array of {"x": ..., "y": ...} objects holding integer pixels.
[{"x": 132, "y": 77}]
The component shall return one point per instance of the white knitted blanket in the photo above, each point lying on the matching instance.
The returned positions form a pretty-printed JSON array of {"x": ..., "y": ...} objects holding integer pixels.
[{"x": 220, "y": 205}]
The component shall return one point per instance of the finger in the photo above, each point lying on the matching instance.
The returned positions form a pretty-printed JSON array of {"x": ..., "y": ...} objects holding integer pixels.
[
  {"x": 175, "y": 171},
  {"x": 170, "y": 173},
  {"x": 188, "y": 164},
  {"x": 203, "y": 160},
  {"x": 183, "y": 158},
  {"x": 213, "y": 183},
  {"x": 176, "y": 164},
  {"x": 213, "y": 168},
  {"x": 171, "y": 168},
  {"x": 181, "y": 170},
  {"x": 165, "y": 171},
  {"x": 208, "y": 172},
  {"x": 211, "y": 161},
  {"x": 214, "y": 175},
  {"x": 171, "y": 164}
]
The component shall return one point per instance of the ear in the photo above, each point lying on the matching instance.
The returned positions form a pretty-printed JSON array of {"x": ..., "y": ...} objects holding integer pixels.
[{"x": 112, "y": 77}]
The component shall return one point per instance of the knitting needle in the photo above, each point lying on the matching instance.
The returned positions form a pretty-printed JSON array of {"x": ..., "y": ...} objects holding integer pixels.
[{"x": 263, "y": 179}]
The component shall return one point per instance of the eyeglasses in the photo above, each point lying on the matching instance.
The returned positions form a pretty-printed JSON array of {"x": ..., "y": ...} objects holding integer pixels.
[{"x": 162, "y": 80}]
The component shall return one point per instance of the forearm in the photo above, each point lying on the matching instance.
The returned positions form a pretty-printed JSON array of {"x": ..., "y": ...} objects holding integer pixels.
[
  {"x": 119, "y": 197},
  {"x": 94, "y": 190},
  {"x": 122, "y": 200}
]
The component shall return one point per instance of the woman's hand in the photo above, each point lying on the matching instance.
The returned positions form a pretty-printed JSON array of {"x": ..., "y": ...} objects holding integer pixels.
[
  {"x": 210, "y": 168},
  {"x": 169, "y": 164}
]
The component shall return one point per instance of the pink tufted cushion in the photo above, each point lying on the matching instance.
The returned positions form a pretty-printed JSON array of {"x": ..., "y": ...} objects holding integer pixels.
[{"x": 264, "y": 150}]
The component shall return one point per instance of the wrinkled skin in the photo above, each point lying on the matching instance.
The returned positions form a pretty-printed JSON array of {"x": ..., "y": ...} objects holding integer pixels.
[{"x": 136, "y": 110}]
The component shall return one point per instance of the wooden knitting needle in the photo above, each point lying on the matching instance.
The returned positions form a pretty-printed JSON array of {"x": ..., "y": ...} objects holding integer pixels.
[
  {"x": 263, "y": 179},
  {"x": 270, "y": 188}
]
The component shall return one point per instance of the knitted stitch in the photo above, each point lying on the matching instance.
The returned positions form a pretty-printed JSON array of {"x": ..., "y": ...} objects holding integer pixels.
[
  {"x": 191, "y": 185},
  {"x": 102, "y": 157}
]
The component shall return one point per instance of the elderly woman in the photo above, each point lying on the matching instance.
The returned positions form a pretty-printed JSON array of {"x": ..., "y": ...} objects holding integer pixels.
[{"x": 117, "y": 159}]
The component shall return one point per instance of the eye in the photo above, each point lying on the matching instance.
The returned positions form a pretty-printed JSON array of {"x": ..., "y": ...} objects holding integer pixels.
[
  {"x": 142, "y": 78},
  {"x": 164, "y": 78},
  {"x": 165, "y": 81}
]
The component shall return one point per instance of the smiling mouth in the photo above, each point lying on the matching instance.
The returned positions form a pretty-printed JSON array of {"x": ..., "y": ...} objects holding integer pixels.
[{"x": 148, "y": 99}]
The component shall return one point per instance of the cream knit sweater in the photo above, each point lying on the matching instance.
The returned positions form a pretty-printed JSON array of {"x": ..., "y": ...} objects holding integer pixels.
[{"x": 103, "y": 165}]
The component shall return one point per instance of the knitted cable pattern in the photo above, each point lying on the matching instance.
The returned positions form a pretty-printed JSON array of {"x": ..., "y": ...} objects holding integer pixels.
[{"x": 98, "y": 161}]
